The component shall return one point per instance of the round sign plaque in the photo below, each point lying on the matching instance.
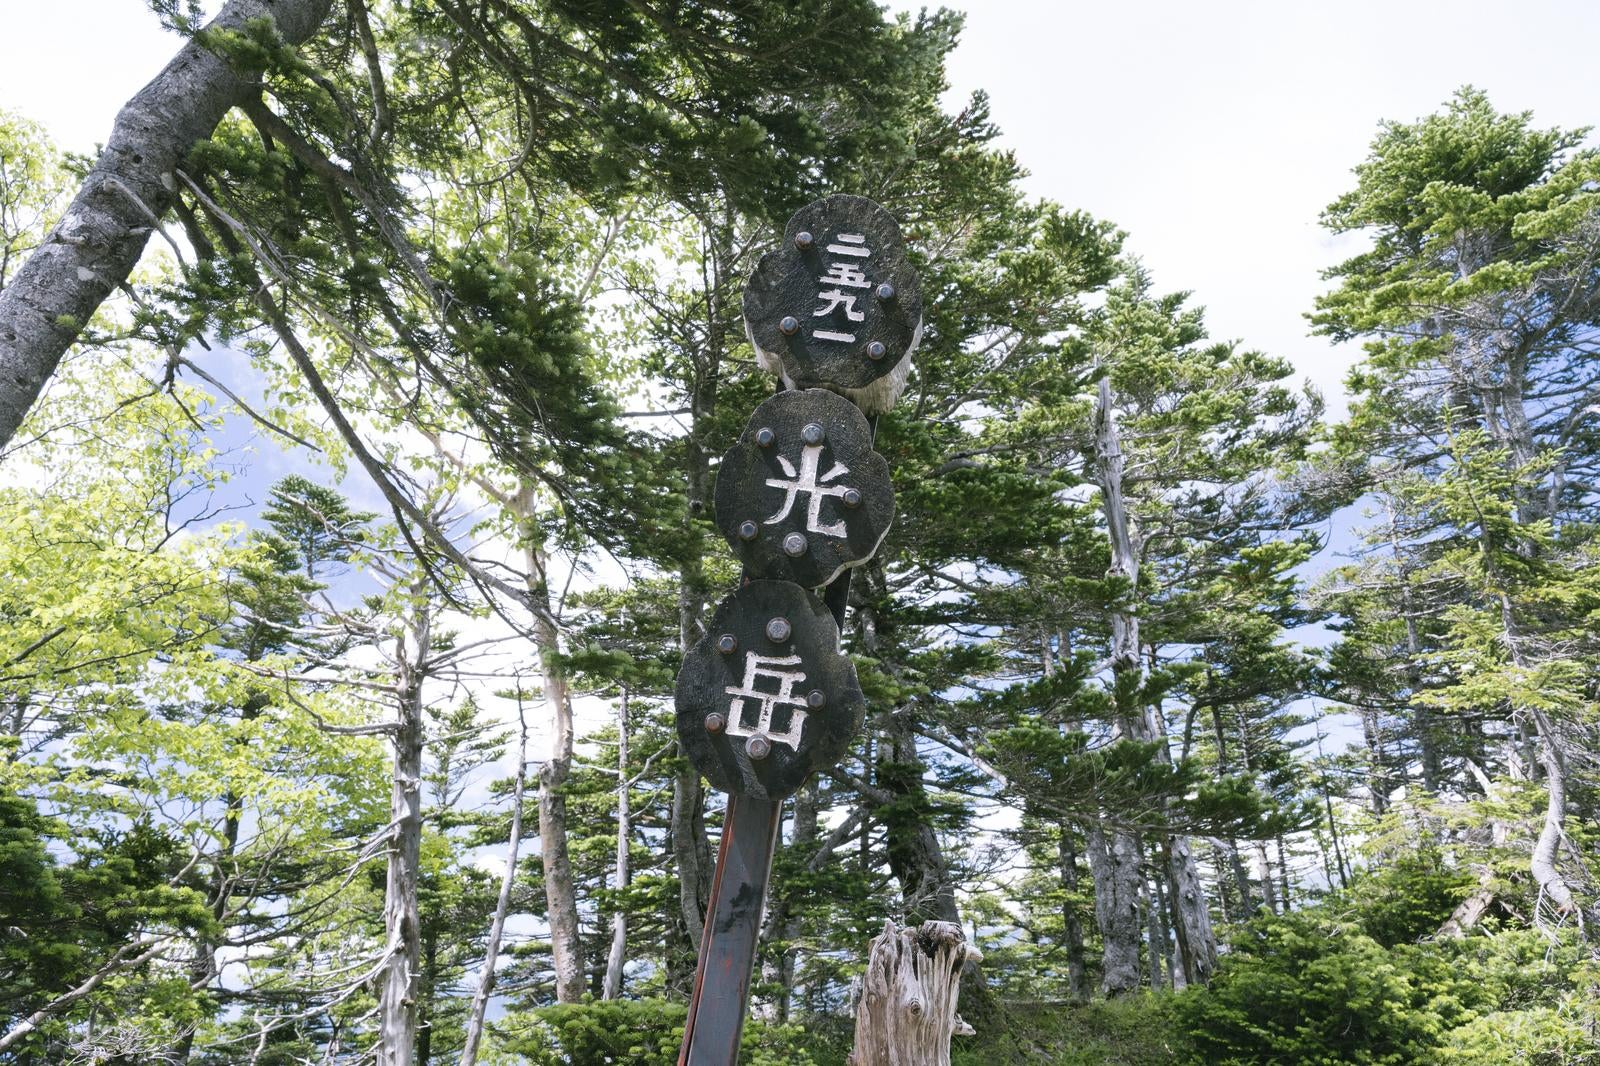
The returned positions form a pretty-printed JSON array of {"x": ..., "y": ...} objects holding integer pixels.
[
  {"x": 802, "y": 495},
  {"x": 767, "y": 698},
  {"x": 837, "y": 306}
]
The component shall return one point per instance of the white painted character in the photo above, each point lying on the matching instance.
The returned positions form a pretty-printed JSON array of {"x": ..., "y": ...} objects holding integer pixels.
[
  {"x": 805, "y": 480},
  {"x": 842, "y": 275},
  {"x": 770, "y": 668}
]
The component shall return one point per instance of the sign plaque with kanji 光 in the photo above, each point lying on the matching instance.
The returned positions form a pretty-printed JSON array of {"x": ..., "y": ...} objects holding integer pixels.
[
  {"x": 837, "y": 306},
  {"x": 802, "y": 495},
  {"x": 767, "y": 697}
]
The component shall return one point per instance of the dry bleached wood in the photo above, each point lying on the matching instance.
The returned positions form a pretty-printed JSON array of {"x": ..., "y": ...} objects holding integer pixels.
[
  {"x": 99, "y": 239},
  {"x": 907, "y": 1011}
]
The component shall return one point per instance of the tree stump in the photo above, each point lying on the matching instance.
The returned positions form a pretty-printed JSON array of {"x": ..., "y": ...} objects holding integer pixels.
[{"x": 907, "y": 1010}]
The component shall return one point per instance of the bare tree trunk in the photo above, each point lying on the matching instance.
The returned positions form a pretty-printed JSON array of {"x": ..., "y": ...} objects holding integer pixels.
[
  {"x": 691, "y": 848},
  {"x": 1466, "y": 915},
  {"x": 502, "y": 906},
  {"x": 561, "y": 900},
  {"x": 916, "y": 857},
  {"x": 1219, "y": 861},
  {"x": 1072, "y": 925},
  {"x": 1191, "y": 916},
  {"x": 688, "y": 832},
  {"x": 1426, "y": 722},
  {"x": 1333, "y": 827},
  {"x": 1542, "y": 863},
  {"x": 1116, "y": 907},
  {"x": 1230, "y": 846},
  {"x": 560, "y": 893},
  {"x": 619, "y": 921},
  {"x": 691, "y": 851},
  {"x": 1067, "y": 858},
  {"x": 907, "y": 1012},
  {"x": 397, "y": 982},
  {"x": 99, "y": 239},
  {"x": 1380, "y": 784},
  {"x": 1135, "y": 719},
  {"x": 1269, "y": 890},
  {"x": 779, "y": 923},
  {"x": 1283, "y": 873},
  {"x": 1117, "y": 876},
  {"x": 1156, "y": 933}
]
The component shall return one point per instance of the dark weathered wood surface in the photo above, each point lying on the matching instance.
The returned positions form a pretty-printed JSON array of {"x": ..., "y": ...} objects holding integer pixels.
[
  {"x": 906, "y": 1013},
  {"x": 800, "y": 509},
  {"x": 838, "y": 305},
  {"x": 785, "y": 697}
]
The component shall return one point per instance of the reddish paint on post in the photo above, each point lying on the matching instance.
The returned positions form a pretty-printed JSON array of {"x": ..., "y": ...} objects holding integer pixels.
[{"x": 728, "y": 948}]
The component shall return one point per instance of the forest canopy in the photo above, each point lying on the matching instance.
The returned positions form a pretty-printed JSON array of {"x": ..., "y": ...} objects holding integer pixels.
[{"x": 361, "y": 403}]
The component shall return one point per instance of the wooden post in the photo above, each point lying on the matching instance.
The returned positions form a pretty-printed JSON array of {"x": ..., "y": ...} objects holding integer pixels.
[{"x": 907, "y": 1010}]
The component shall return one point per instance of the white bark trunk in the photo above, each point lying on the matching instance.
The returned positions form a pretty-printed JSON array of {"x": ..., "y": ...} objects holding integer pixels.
[
  {"x": 502, "y": 906},
  {"x": 103, "y": 232},
  {"x": 907, "y": 1012},
  {"x": 397, "y": 982},
  {"x": 1197, "y": 943},
  {"x": 619, "y": 921},
  {"x": 1467, "y": 915},
  {"x": 1117, "y": 875},
  {"x": 1114, "y": 866},
  {"x": 1542, "y": 863},
  {"x": 561, "y": 901}
]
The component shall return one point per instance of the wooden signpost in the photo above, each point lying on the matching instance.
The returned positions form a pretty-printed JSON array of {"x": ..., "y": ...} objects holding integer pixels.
[{"x": 768, "y": 697}]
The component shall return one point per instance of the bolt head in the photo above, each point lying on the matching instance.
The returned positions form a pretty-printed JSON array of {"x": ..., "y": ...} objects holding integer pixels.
[
  {"x": 876, "y": 350},
  {"x": 765, "y": 436},
  {"x": 727, "y": 644},
  {"x": 778, "y": 629},
  {"x": 812, "y": 433},
  {"x": 715, "y": 722},
  {"x": 886, "y": 291},
  {"x": 748, "y": 530},
  {"x": 789, "y": 325},
  {"x": 804, "y": 240},
  {"x": 815, "y": 698},
  {"x": 851, "y": 497},
  {"x": 794, "y": 545},
  {"x": 758, "y": 747}
]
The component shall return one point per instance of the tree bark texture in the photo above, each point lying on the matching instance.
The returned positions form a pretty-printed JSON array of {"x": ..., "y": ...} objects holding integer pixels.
[
  {"x": 1118, "y": 879},
  {"x": 1072, "y": 925},
  {"x": 1114, "y": 865},
  {"x": 1158, "y": 948},
  {"x": 618, "y": 955},
  {"x": 1191, "y": 914},
  {"x": 560, "y": 891},
  {"x": 100, "y": 237},
  {"x": 907, "y": 1013},
  {"x": 397, "y": 981}
]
